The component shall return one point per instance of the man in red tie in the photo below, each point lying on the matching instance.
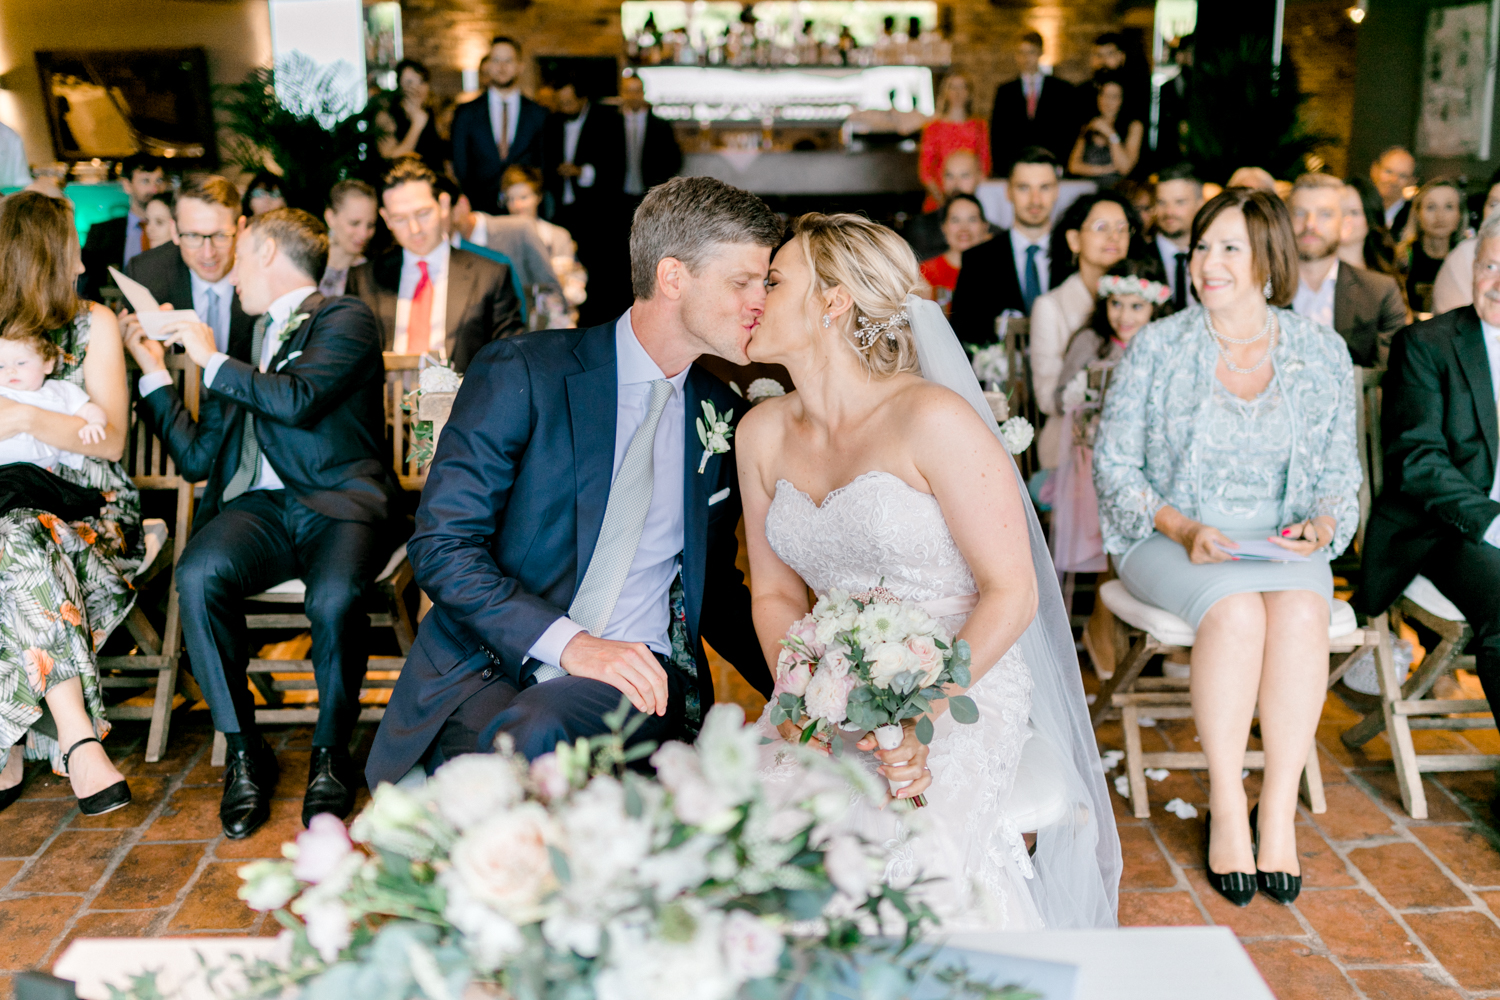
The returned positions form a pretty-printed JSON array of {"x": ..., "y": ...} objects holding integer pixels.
[
  {"x": 1035, "y": 109},
  {"x": 428, "y": 296}
]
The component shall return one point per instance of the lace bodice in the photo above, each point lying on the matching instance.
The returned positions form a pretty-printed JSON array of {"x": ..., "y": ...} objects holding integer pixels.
[
  {"x": 877, "y": 530},
  {"x": 1247, "y": 447}
]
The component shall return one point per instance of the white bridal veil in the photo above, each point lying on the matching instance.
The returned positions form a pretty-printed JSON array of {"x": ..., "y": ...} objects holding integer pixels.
[{"x": 1077, "y": 859}]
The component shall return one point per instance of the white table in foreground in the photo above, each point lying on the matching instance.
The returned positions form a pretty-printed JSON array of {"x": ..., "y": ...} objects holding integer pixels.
[{"x": 1139, "y": 963}]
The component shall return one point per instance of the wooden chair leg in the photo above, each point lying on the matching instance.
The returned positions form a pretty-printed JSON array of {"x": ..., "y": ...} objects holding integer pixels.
[
  {"x": 1125, "y": 676},
  {"x": 161, "y": 712},
  {"x": 1130, "y": 719},
  {"x": 1403, "y": 751},
  {"x": 1312, "y": 782}
]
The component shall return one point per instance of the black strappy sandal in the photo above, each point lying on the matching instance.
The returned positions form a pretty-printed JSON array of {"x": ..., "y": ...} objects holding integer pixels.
[
  {"x": 1284, "y": 887},
  {"x": 116, "y": 796}
]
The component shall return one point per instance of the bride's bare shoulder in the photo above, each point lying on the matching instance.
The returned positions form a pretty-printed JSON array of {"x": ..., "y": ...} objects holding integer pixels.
[
  {"x": 767, "y": 419},
  {"x": 928, "y": 406}
]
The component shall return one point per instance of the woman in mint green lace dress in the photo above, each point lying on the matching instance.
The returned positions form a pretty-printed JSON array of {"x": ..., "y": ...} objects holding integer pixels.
[{"x": 63, "y": 586}]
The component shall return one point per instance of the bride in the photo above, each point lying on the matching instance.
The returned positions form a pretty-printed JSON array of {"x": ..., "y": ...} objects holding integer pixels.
[{"x": 885, "y": 467}]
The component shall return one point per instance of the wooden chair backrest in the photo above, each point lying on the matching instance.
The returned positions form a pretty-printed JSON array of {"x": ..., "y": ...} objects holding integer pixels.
[
  {"x": 146, "y": 458},
  {"x": 401, "y": 377},
  {"x": 1018, "y": 389},
  {"x": 1371, "y": 449}
]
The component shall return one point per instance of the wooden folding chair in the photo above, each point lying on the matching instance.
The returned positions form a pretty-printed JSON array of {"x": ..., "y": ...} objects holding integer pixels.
[
  {"x": 154, "y": 664},
  {"x": 1015, "y": 333},
  {"x": 401, "y": 373},
  {"x": 1128, "y": 696}
]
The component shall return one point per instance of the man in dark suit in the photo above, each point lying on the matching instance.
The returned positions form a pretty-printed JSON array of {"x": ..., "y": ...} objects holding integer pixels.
[
  {"x": 299, "y": 485},
  {"x": 196, "y": 271},
  {"x": 648, "y": 143},
  {"x": 1365, "y": 308},
  {"x": 116, "y": 242},
  {"x": 1034, "y": 109},
  {"x": 576, "y": 539},
  {"x": 427, "y": 296},
  {"x": 1439, "y": 513},
  {"x": 1393, "y": 171},
  {"x": 501, "y": 128},
  {"x": 1011, "y": 270}
]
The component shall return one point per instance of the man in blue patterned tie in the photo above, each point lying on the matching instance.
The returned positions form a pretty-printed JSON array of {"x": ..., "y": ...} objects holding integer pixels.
[{"x": 576, "y": 533}]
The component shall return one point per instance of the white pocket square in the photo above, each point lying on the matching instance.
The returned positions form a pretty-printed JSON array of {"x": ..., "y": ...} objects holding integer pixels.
[
  {"x": 721, "y": 495},
  {"x": 288, "y": 359}
]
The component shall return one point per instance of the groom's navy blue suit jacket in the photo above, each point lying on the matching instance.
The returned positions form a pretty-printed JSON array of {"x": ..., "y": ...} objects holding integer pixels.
[{"x": 508, "y": 521}]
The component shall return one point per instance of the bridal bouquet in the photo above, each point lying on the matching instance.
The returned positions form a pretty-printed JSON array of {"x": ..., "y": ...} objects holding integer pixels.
[
  {"x": 865, "y": 662},
  {"x": 574, "y": 877}
]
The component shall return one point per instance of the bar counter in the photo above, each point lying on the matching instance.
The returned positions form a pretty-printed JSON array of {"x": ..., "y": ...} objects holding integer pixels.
[{"x": 809, "y": 173}]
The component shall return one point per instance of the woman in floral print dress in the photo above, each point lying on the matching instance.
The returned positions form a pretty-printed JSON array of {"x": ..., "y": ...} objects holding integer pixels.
[{"x": 63, "y": 586}]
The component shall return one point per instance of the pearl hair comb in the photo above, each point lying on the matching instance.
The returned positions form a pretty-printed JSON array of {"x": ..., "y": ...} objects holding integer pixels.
[{"x": 869, "y": 330}]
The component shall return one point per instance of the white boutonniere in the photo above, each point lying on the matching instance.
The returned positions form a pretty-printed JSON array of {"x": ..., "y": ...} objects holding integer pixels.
[
  {"x": 714, "y": 431},
  {"x": 294, "y": 322}
]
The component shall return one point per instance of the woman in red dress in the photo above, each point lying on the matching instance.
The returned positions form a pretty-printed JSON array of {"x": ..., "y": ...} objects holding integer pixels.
[
  {"x": 950, "y": 130},
  {"x": 964, "y": 226}
]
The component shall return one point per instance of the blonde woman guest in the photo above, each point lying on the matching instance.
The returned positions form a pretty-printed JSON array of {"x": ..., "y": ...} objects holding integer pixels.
[
  {"x": 1434, "y": 227},
  {"x": 350, "y": 217},
  {"x": 1097, "y": 231},
  {"x": 964, "y": 226},
  {"x": 1226, "y": 425},
  {"x": 952, "y": 129},
  {"x": 521, "y": 187}
]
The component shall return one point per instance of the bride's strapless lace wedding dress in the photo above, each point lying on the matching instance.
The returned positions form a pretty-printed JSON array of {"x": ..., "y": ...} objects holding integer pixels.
[{"x": 878, "y": 530}]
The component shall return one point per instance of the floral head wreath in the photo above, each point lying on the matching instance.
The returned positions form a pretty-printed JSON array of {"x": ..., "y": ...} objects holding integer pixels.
[
  {"x": 869, "y": 329},
  {"x": 1125, "y": 284}
]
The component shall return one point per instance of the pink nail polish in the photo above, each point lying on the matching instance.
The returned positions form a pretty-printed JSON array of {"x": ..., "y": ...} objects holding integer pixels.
[{"x": 1285, "y": 532}]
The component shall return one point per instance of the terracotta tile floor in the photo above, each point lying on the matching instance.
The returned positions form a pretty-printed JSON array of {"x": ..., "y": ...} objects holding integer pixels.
[{"x": 1391, "y": 909}]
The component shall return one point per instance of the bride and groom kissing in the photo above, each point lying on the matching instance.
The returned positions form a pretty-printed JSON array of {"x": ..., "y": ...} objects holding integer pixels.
[{"x": 577, "y": 537}]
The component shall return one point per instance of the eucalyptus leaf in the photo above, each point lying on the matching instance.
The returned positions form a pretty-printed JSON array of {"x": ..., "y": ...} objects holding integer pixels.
[
  {"x": 924, "y": 729},
  {"x": 963, "y": 709},
  {"x": 560, "y": 865}
]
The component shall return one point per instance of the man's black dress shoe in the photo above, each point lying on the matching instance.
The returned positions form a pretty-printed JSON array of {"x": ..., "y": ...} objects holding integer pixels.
[
  {"x": 249, "y": 781},
  {"x": 331, "y": 784}
]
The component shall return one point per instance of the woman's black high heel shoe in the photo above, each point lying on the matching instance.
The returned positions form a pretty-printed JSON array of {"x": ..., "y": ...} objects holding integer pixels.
[
  {"x": 1237, "y": 887},
  {"x": 9, "y": 795},
  {"x": 116, "y": 796},
  {"x": 1283, "y": 887}
]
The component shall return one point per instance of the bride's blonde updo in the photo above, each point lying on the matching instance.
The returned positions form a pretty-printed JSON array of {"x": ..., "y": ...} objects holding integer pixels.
[{"x": 878, "y": 270}]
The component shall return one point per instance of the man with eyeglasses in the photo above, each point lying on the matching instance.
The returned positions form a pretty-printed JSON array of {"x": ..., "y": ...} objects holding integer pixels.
[{"x": 194, "y": 271}]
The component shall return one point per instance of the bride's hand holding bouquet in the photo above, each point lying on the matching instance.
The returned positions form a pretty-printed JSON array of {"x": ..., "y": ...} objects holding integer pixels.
[{"x": 870, "y": 662}]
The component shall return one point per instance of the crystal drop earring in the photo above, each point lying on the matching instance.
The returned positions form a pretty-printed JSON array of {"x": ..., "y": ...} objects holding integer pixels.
[
  {"x": 827, "y": 321},
  {"x": 1266, "y": 290}
]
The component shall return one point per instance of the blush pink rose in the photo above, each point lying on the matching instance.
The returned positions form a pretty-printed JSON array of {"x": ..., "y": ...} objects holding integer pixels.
[
  {"x": 929, "y": 657},
  {"x": 807, "y": 630},
  {"x": 792, "y": 674}
]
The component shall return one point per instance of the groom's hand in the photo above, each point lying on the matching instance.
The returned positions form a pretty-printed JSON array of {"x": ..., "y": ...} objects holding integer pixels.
[{"x": 630, "y": 667}]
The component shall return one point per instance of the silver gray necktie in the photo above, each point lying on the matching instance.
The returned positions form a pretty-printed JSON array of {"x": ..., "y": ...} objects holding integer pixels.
[{"x": 211, "y": 305}]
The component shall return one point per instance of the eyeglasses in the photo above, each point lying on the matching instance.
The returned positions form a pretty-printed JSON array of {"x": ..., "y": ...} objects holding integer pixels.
[
  {"x": 1105, "y": 228},
  {"x": 193, "y": 241}
]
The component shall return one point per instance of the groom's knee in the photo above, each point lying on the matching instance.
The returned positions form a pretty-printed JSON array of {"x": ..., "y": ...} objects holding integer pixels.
[{"x": 536, "y": 724}]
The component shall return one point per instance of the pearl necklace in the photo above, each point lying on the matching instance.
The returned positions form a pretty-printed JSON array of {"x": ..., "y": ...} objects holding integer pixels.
[{"x": 1224, "y": 352}]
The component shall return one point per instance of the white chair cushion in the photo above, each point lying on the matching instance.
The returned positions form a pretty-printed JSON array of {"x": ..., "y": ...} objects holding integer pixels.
[
  {"x": 1037, "y": 799},
  {"x": 298, "y": 588},
  {"x": 1425, "y": 594},
  {"x": 1173, "y": 631}
]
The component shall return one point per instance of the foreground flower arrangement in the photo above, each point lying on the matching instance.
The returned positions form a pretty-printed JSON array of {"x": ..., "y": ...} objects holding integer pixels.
[{"x": 578, "y": 878}]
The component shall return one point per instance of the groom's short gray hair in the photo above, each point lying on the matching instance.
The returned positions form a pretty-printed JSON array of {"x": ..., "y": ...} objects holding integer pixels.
[{"x": 689, "y": 218}]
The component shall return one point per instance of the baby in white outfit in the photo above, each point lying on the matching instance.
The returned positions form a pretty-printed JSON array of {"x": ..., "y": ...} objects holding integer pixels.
[{"x": 24, "y": 367}]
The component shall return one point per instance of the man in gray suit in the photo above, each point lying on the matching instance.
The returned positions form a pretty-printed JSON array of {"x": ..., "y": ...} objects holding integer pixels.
[{"x": 1365, "y": 308}]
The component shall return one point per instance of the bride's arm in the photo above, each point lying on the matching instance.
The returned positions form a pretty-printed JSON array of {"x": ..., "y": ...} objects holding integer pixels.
[
  {"x": 975, "y": 483},
  {"x": 778, "y": 597}
]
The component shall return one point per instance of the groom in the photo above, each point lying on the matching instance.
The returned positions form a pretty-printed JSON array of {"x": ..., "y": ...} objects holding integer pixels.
[{"x": 575, "y": 540}]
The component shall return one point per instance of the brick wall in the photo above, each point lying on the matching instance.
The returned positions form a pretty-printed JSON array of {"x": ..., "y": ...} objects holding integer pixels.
[{"x": 1320, "y": 40}]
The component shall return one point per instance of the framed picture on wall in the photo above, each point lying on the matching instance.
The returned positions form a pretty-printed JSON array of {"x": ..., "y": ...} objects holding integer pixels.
[
  {"x": 1458, "y": 82},
  {"x": 112, "y": 104}
]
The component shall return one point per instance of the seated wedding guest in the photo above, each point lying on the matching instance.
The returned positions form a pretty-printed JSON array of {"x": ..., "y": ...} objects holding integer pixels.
[
  {"x": 408, "y": 120},
  {"x": 953, "y": 128},
  {"x": 161, "y": 227},
  {"x": 1434, "y": 227},
  {"x": 1131, "y": 294},
  {"x": 1034, "y": 109},
  {"x": 195, "y": 273},
  {"x": 961, "y": 175},
  {"x": 1439, "y": 514},
  {"x": 263, "y": 195},
  {"x": 426, "y": 296},
  {"x": 500, "y": 129},
  {"x": 1141, "y": 194},
  {"x": 1367, "y": 244},
  {"x": 299, "y": 485},
  {"x": 964, "y": 226},
  {"x": 1363, "y": 307},
  {"x": 550, "y": 595},
  {"x": 512, "y": 240},
  {"x": 64, "y": 582},
  {"x": 1109, "y": 146},
  {"x": 1099, "y": 231},
  {"x": 1228, "y": 432},
  {"x": 523, "y": 197},
  {"x": 1391, "y": 173},
  {"x": 350, "y": 216},
  {"x": 1012, "y": 270},
  {"x": 1255, "y": 178},
  {"x": 1454, "y": 286},
  {"x": 1179, "y": 195},
  {"x": 115, "y": 242}
]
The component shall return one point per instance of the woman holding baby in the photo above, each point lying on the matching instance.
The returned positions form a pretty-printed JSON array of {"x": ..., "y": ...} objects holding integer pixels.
[{"x": 64, "y": 585}]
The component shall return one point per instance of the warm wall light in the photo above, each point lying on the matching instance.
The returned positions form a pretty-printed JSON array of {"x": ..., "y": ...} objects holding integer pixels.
[{"x": 1358, "y": 11}]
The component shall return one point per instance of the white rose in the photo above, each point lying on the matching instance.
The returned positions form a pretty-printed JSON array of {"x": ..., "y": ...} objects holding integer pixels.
[
  {"x": 488, "y": 937},
  {"x": 764, "y": 388},
  {"x": 929, "y": 658},
  {"x": 439, "y": 378},
  {"x": 752, "y": 947},
  {"x": 887, "y": 660},
  {"x": 329, "y": 929},
  {"x": 729, "y": 752},
  {"x": 268, "y": 885},
  {"x": 570, "y": 932},
  {"x": 848, "y": 866},
  {"x": 473, "y": 787},
  {"x": 604, "y": 843},
  {"x": 505, "y": 863},
  {"x": 1016, "y": 433},
  {"x": 679, "y": 870},
  {"x": 695, "y": 801},
  {"x": 319, "y": 849}
]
